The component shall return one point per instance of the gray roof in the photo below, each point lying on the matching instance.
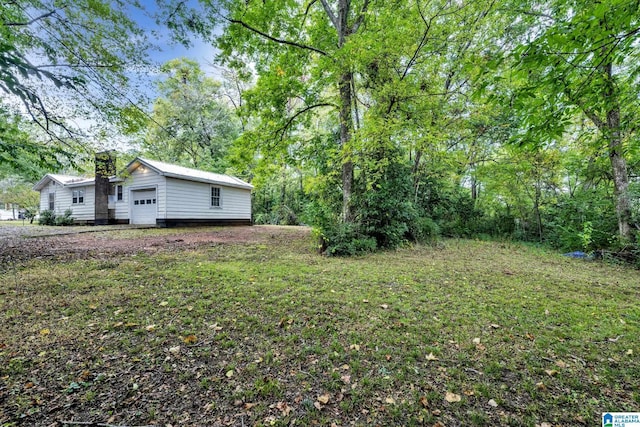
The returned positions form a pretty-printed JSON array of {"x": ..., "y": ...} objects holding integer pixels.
[
  {"x": 64, "y": 180},
  {"x": 181, "y": 172}
]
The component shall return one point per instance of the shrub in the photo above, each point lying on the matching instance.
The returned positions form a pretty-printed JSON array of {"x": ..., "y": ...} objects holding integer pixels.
[
  {"x": 65, "y": 219},
  {"x": 47, "y": 218},
  {"x": 345, "y": 240},
  {"x": 424, "y": 229}
]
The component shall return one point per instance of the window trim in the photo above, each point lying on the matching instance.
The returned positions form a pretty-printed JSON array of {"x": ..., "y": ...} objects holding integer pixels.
[
  {"x": 218, "y": 197},
  {"x": 52, "y": 201},
  {"x": 77, "y": 196},
  {"x": 119, "y": 193}
]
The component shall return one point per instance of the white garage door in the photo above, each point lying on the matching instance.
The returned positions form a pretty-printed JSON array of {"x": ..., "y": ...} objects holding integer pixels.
[{"x": 144, "y": 207}]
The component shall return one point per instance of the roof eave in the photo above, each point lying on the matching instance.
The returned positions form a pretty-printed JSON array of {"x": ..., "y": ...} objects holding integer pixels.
[{"x": 207, "y": 181}]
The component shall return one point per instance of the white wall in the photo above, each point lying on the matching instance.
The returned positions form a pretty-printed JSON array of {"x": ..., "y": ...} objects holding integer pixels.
[
  {"x": 81, "y": 211},
  {"x": 192, "y": 200},
  {"x": 139, "y": 180}
]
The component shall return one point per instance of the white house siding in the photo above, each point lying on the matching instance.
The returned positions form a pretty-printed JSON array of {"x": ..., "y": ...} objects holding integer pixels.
[
  {"x": 83, "y": 211},
  {"x": 192, "y": 200},
  {"x": 139, "y": 180},
  {"x": 63, "y": 201}
]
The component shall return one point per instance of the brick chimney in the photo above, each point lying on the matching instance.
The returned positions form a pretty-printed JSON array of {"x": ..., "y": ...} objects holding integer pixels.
[{"x": 105, "y": 168}]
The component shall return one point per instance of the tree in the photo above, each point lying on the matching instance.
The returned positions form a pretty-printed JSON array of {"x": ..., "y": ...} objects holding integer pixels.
[
  {"x": 64, "y": 64},
  {"x": 190, "y": 122},
  {"x": 581, "y": 57},
  {"x": 15, "y": 191}
]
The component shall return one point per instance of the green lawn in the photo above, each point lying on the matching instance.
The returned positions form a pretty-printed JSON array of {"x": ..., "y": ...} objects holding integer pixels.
[{"x": 467, "y": 333}]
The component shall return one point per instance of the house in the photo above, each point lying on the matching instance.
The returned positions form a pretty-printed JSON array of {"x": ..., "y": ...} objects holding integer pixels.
[{"x": 148, "y": 192}]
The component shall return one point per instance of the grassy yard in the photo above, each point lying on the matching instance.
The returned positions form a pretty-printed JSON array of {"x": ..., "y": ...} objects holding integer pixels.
[{"x": 242, "y": 334}]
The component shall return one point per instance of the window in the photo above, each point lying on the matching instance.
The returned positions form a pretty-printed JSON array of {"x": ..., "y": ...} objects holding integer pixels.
[
  {"x": 52, "y": 201},
  {"x": 135, "y": 202},
  {"x": 119, "y": 193},
  {"x": 216, "y": 200},
  {"x": 142, "y": 201},
  {"x": 77, "y": 197}
]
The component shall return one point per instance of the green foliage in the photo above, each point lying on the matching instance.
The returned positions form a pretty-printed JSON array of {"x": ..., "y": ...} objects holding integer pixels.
[
  {"x": 346, "y": 239},
  {"x": 65, "y": 219},
  {"x": 383, "y": 204},
  {"x": 190, "y": 124},
  {"x": 83, "y": 49},
  {"x": 425, "y": 230},
  {"x": 15, "y": 191},
  {"x": 48, "y": 217},
  {"x": 585, "y": 220}
]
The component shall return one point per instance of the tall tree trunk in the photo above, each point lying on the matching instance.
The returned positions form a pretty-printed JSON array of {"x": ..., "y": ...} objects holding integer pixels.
[
  {"x": 536, "y": 208},
  {"x": 341, "y": 22},
  {"x": 620, "y": 176},
  {"x": 346, "y": 126},
  {"x": 610, "y": 129},
  {"x": 618, "y": 162}
]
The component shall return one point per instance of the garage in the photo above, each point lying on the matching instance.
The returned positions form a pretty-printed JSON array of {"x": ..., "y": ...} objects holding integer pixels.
[{"x": 143, "y": 207}]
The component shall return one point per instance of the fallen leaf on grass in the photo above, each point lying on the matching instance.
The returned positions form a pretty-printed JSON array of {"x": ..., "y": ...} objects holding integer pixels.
[
  {"x": 431, "y": 357},
  {"x": 229, "y": 373},
  {"x": 355, "y": 347},
  {"x": 629, "y": 352},
  {"x": 494, "y": 325},
  {"x": 541, "y": 386},
  {"x": 317, "y": 405},
  {"x": 452, "y": 397},
  {"x": 45, "y": 331},
  {"x": 438, "y": 424},
  {"x": 151, "y": 328},
  {"x": 249, "y": 405},
  {"x": 561, "y": 364},
  {"x": 164, "y": 304},
  {"x": 346, "y": 379},
  {"x": 324, "y": 398},
  {"x": 424, "y": 402},
  {"x": 190, "y": 339},
  {"x": 174, "y": 350},
  {"x": 390, "y": 401},
  {"x": 384, "y": 306},
  {"x": 284, "y": 407},
  {"x": 493, "y": 403},
  {"x": 543, "y": 425},
  {"x": 551, "y": 372},
  {"x": 476, "y": 341}
]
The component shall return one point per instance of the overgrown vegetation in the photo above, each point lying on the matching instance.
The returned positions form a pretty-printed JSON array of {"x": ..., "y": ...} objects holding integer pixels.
[
  {"x": 268, "y": 333},
  {"x": 48, "y": 217}
]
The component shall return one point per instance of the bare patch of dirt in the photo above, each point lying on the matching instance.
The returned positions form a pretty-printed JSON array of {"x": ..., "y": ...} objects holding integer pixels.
[{"x": 85, "y": 242}]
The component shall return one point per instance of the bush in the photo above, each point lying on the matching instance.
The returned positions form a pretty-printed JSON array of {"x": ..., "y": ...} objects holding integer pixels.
[
  {"x": 47, "y": 218},
  {"x": 65, "y": 219},
  {"x": 345, "y": 240},
  {"x": 424, "y": 229}
]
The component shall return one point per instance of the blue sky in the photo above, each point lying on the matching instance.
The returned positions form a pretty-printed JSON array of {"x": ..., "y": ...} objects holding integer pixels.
[{"x": 200, "y": 51}]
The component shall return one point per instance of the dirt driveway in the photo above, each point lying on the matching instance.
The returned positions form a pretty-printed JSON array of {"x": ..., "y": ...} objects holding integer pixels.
[{"x": 21, "y": 243}]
